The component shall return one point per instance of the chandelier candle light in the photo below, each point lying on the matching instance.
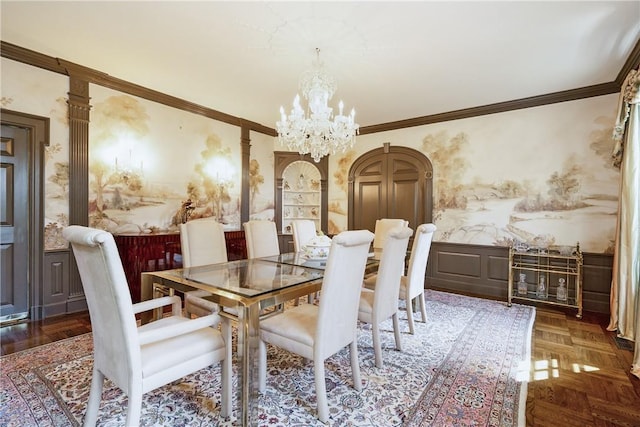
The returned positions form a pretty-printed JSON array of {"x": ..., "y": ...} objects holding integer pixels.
[{"x": 317, "y": 134}]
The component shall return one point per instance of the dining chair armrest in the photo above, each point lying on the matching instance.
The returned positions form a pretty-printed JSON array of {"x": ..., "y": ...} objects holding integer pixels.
[
  {"x": 176, "y": 329},
  {"x": 151, "y": 304}
]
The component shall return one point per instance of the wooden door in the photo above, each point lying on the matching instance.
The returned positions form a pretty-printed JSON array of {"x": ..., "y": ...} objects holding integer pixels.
[
  {"x": 14, "y": 214},
  {"x": 390, "y": 182}
]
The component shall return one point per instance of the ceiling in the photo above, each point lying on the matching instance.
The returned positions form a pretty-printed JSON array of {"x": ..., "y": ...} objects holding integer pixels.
[{"x": 392, "y": 60}]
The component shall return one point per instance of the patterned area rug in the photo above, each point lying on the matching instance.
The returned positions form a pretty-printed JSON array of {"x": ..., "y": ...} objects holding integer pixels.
[{"x": 464, "y": 367}]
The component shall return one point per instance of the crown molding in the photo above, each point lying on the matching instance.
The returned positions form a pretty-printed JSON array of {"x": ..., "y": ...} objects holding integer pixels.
[
  {"x": 633, "y": 62},
  {"x": 500, "y": 107},
  {"x": 61, "y": 66}
]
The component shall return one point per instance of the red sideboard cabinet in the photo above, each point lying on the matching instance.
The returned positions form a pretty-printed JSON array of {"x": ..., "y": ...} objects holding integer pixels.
[{"x": 142, "y": 252}]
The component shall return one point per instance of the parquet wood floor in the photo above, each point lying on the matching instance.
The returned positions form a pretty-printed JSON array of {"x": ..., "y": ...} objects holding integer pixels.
[{"x": 578, "y": 376}]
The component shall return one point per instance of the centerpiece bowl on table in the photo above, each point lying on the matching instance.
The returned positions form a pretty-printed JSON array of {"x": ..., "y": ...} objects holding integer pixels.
[{"x": 317, "y": 248}]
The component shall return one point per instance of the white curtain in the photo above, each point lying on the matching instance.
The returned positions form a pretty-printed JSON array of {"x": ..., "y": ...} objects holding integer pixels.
[{"x": 625, "y": 283}]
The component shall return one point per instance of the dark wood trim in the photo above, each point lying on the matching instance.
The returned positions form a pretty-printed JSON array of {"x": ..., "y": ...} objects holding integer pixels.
[
  {"x": 30, "y": 57},
  {"x": 484, "y": 271},
  {"x": 500, "y": 107},
  {"x": 57, "y": 65},
  {"x": 245, "y": 159},
  {"x": 79, "y": 113},
  {"x": 632, "y": 62},
  {"x": 61, "y": 66},
  {"x": 39, "y": 129}
]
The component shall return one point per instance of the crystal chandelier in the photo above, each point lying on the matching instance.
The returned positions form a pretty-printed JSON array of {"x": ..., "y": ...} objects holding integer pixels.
[{"x": 317, "y": 134}]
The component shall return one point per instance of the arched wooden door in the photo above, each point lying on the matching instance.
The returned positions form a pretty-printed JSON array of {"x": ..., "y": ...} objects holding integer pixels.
[{"x": 390, "y": 182}]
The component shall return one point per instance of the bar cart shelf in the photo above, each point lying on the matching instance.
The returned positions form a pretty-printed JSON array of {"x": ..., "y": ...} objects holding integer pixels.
[{"x": 551, "y": 267}]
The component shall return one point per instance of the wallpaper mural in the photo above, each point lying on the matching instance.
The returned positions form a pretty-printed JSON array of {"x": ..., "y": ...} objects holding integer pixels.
[
  {"x": 337, "y": 209},
  {"x": 152, "y": 166},
  {"x": 542, "y": 176},
  {"x": 35, "y": 91},
  {"x": 261, "y": 178}
]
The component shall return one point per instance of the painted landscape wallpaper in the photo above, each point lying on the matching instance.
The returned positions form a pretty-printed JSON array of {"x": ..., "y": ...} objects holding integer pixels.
[
  {"x": 261, "y": 178},
  {"x": 542, "y": 176},
  {"x": 539, "y": 175},
  {"x": 150, "y": 165}
]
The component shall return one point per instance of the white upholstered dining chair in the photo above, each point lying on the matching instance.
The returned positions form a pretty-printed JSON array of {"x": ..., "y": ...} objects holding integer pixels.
[
  {"x": 303, "y": 230},
  {"x": 316, "y": 332},
  {"x": 140, "y": 359},
  {"x": 382, "y": 230},
  {"x": 262, "y": 238},
  {"x": 412, "y": 285},
  {"x": 381, "y": 303},
  {"x": 202, "y": 242}
]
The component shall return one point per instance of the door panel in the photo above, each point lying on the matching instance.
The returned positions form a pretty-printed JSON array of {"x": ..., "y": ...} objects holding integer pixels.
[
  {"x": 406, "y": 199},
  {"x": 375, "y": 169},
  {"x": 406, "y": 202},
  {"x": 369, "y": 202},
  {"x": 14, "y": 167},
  {"x": 394, "y": 182}
]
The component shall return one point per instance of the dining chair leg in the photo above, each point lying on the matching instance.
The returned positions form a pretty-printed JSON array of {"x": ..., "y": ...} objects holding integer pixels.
[
  {"x": 355, "y": 365},
  {"x": 423, "y": 308},
  {"x": 396, "y": 331},
  {"x": 377, "y": 347},
  {"x": 135, "y": 407},
  {"x": 95, "y": 396},
  {"x": 409, "y": 304},
  {"x": 321, "y": 390}
]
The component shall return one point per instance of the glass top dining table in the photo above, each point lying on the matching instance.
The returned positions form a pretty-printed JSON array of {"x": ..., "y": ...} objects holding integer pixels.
[
  {"x": 249, "y": 286},
  {"x": 301, "y": 260}
]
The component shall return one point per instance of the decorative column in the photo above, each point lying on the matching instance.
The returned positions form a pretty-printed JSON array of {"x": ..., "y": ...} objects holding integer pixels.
[
  {"x": 245, "y": 150},
  {"x": 79, "y": 107}
]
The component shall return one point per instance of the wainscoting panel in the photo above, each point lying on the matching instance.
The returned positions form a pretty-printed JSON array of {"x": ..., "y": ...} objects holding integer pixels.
[
  {"x": 56, "y": 283},
  {"x": 484, "y": 271},
  {"x": 472, "y": 269},
  {"x": 59, "y": 294},
  {"x": 596, "y": 279},
  {"x": 498, "y": 267},
  {"x": 459, "y": 264}
]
